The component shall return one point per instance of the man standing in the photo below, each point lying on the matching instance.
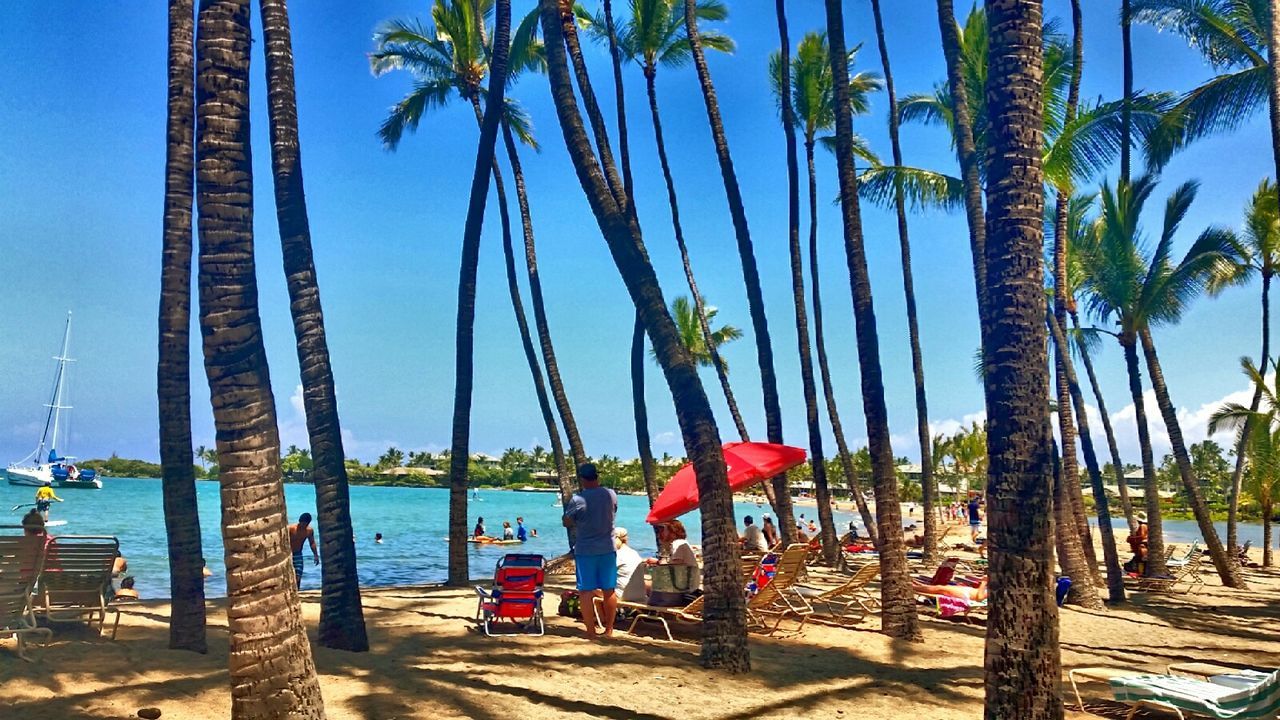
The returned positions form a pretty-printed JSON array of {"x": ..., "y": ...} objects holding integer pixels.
[
  {"x": 591, "y": 511},
  {"x": 299, "y": 533},
  {"x": 975, "y": 519},
  {"x": 752, "y": 536},
  {"x": 521, "y": 534},
  {"x": 45, "y": 497}
]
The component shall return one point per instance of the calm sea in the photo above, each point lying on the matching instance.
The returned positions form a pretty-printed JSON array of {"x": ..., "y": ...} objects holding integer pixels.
[{"x": 413, "y": 522}]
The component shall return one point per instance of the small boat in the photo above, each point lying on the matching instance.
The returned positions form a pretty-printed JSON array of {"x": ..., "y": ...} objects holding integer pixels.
[
  {"x": 42, "y": 468},
  {"x": 492, "y": 541}
]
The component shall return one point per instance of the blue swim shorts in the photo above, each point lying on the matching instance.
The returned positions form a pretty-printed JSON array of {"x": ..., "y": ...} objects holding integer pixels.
[{"x": 596, "y": 572}]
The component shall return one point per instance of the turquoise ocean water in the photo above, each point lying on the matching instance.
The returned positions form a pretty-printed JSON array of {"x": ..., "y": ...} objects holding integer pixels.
[{"x": 413, "y": 521}]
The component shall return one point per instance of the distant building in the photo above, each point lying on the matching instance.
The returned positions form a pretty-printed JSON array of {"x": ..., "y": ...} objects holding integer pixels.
[
  {"x": 484, "y": 459},
  {"x": 414, "y": 471}
]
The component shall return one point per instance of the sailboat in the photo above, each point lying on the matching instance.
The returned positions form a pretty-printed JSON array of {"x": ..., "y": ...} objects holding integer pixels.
[{"x": 42, "y": 467}]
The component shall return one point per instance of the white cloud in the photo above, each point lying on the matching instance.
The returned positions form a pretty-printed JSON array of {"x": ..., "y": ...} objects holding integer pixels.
[
  {"x": 950, "y": 426},
  {"x": 666, "y": 439}
]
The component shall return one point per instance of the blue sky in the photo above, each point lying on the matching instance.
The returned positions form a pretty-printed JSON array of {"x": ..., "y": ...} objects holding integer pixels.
[{"x": 81, "y": 167}]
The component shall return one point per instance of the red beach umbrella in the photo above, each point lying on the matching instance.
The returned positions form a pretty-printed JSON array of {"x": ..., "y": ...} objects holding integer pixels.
[{"x": 747, "y": 462}]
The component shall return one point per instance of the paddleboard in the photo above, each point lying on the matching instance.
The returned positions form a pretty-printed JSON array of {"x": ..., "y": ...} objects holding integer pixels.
[
  {"x": 55, "y": 523},
  {"x": 494, "y": 542}
]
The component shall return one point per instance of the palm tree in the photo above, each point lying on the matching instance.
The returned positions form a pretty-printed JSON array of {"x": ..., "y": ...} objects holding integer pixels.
[
  {"x": 643, "y": 445},
  {"x": 899, "y": 614},
  {"x": 1264, "y": 481},
  {"x": 341, "y": 616},
  {"x": 695, "y": 340},
  {"x": 927, "y": 484},
  {"x": 654, "y": 35},
  {"x": 1140, "y": 291},
  {"x": 173, "y": 371},
  {"x": 1259, "y": 254},
  {"x": 750, "y": 271},
  {"x": 271, "y": 670},
  {"x": 1022, "y": 662},
  {"x": 724, "y": 638},
  {"x": 1263, "y": 426}
]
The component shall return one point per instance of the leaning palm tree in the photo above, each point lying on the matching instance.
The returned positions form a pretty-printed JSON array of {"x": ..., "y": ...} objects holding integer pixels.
[
  {"x": 341, "y": 615},
  {"x": 1023, "y": 663},
  {"x": 899, "y": 616},
  {"x": 724, "y": 639},
  {"x": 1140, "y": 290},
  {"x": 746, "y": 254},
  {"x": 173, "y": 370},
  {"x": 271, "y": 670},
  {"x": 1263, "y": 442},
  {"x": 1259, "y": 254}
]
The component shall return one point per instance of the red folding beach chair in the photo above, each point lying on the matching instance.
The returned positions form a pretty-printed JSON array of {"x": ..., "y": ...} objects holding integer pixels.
[{"x": 516, "y": 597}]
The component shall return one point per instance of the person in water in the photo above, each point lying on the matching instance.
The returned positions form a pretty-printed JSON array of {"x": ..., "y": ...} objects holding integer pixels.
[
  {"x": 521, "y": 534},
  {"x": 301, "y": 533},
  {"x": 44, "y": 498},
  {"x": 507, "y": 532},
  {"x": 377, "y": 538},
  {"x": 479, "y": 529}
]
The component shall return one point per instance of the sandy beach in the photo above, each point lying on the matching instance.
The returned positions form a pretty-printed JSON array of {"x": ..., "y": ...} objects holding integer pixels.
[{"x": 428, "y": 661}]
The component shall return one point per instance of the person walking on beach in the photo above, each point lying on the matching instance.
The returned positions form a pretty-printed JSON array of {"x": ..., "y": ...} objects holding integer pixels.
[
  {"x": 590, "y": 512},
  {"x": 975, "y": 519},
  {"x": 301, "y": 533},
  {"x": 44, "y": 497}
]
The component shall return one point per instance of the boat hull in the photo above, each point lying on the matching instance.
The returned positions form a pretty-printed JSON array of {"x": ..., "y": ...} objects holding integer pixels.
[
  {"x": 29, "y": 477},
  {"x": 93, "y": 484}
]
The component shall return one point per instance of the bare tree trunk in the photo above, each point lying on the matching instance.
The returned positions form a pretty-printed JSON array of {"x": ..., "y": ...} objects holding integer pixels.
[
  {"x": 642, "y": 412},
  {"x": 1242, "y": 445},
  {"x": 569, "y": 30},
  {"x": 1150, "y": 487},
  {"x": 1117, "y": 464}
]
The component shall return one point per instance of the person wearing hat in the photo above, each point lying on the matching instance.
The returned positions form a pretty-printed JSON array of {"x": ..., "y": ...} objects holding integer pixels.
[
  {"x": 1137, "y": 540},
  {"x": 630, "y": 584},
  {"x": 590, "y": 513}
]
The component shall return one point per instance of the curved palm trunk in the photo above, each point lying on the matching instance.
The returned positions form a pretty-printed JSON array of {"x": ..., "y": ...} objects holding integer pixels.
[
  {"x": 271, "y": 670},
  {"x": 967, "y": 154},
  {"x": 1242, "y": 445},
  {"x": 642, "y": 413},
  {"x": 564, "y": 477},
  {"x": 341, "y": 615},
  {"x": 1117, "y": 465},
  {"x": 1071, "y": 555},
  {"x": 1228, "y": 569},
  {"x": 569, "y": 30},
  {"x": 1126, "y": 110},
  {"x": 1115, "y": 576},
  {"x": 620, "y": 103},
  {"x": 173, "y": 370},
  {"x": 928, "y": 487},
  {"x": 465, "y": 339},
  {"x": 898, "y": 617},
  {"x": 1023, "y": 664},
  {"x": 650, "y": 74},
  {"x": 750, "y": 273},
  {"x": 817, "y": 458},
  {"x": 724, "y": 638},
  {"x": 1150, "y": 487}
]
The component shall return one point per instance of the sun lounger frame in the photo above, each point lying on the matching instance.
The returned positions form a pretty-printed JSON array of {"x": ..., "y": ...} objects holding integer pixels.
[
  {"x": 75, "y": 578},
  {"x": 1106, "y": 674},
  {"x": 16, "y": 613}
]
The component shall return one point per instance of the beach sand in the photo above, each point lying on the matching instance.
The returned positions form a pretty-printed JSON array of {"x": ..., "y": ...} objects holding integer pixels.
[{"x": 427, "y": 661}]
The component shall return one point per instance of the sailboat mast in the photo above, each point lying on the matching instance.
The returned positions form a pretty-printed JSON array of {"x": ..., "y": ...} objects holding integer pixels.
[{"x": 58, "y": 407}]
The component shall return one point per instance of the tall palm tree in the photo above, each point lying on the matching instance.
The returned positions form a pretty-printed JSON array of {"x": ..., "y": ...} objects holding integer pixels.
[
  {"x": 746, "y": 253},
  {"x": 341, "y": 615},
  {"x": 1126, "y": 120},
  {"x": 644, "y": 447},
  {"x": 695, "y": 340},
  {"x": 1140, "y": 290},
  {"x": 1259, "y": 254},
  {"x": 654, "y": 35},
  {"x": 927, "y": 484},
  {"x": 271, "y": 670},
  {"x": 1264, "y": 481},
  {"x": 724, "y": 640},
  {"x": 899, "y": 615},
  {"x": 173, "y": 371},
  {"x": 1023, "y": 662},
  {"x": 1263, "y": 426}
]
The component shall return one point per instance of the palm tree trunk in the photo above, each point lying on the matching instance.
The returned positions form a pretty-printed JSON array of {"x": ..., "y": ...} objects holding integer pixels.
[
  {"x": 928, "y": 487},
  {"x": 642, "y": 412},
  {"x": 1150, "y": 486},
  {"x": 1071, "y": 556},
  {"x": 569, "y": 29},
  {"x": 724, "y": 632},
  {"x": 750, "y": 273},
  {"x": 341, "y": 615},
  {"x": 1233, "y": 502},
  {"x": 1117, "y": 465},
  {"x": 898, "y": 618},
  {"x": 1126, "y": 110},
  {"x": 1228, "y": 570},
  {"x": 1115, "y": 576},
  {"x": 465, "y": 340},
  {"x": 173, "y": 370},
  {"x": 1023, "y": 665},
  {"x": 1266, "y": 535},
  {"x": 817, "y": 458},
  {"x": 620, "y": 102},
  {"x": 271, "y": 670},
  {"x": 824, "y": 369},
  {"x": 967, "y": 154},
  {"x": 564, "y": 477},
  {"x": 650, "y": 74}
]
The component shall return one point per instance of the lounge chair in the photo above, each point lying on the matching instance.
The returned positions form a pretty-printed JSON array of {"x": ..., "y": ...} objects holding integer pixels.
[
  {"x": 1175, "y": 562},
  {"x": 780, "y": 597},
  {"x": 1191, "y": 691},
  {"x": 1182, "y": 580},
  {"x": 1242, "y": 554},
  {"x": 76, "y": 578},
  {"x": 848, "y": 603},
  {"x": 943, "y": 575},
  {"x": 21, "y": 560},
  {"x": 692, "y": 612},
  {"x": 918, "y": 540},
  {"x": 516, "y": 596}
]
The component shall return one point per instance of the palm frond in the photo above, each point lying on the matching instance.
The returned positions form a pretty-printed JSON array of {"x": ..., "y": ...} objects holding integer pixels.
[
  {"x": 407, "y": 113},
  {"x": 1222, "y": 104},
  {"x": 921, "y": 188}
]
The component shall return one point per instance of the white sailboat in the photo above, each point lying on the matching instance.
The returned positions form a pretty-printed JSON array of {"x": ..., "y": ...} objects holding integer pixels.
[{"x": 49, "y": 468}]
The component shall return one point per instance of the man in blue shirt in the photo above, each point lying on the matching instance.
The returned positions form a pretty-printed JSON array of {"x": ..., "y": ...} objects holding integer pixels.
[
  {"x": 975, "y": 519},
  {"x": 590, "y": 513},
  {"x": 521, "y": 534}
]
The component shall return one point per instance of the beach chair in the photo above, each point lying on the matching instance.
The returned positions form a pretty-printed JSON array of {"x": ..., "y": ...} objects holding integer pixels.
[
  {"x": 1175, "y": 562},
  {"x": 692, "y": 612},
  {"x": 1182, "y": 580},
  {"x": 21, "y": 560},
  {"x": 780, "y": 597},
  {"x": 943, "y": 575},
  {"x": 848, "y": 603},
  {"x": 516, "y": 596},
  {"x": 1191, "y": 691},
  {"x": 1242, "y": 554},
  {"x": 76, "y": 578}
]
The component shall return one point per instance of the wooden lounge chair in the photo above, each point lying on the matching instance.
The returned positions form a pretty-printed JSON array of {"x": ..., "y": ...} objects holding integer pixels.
[
  {"x": 1191, "y": 690},
  {"x": 21, "y": 560},
  {"x": 76, "y": 578},
  {"x": 848, "y": 603},
  {"x": 780, "y": 597},
  {"x": 1182, "y": 580},
  {"x": 1192, "y": 550}
]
